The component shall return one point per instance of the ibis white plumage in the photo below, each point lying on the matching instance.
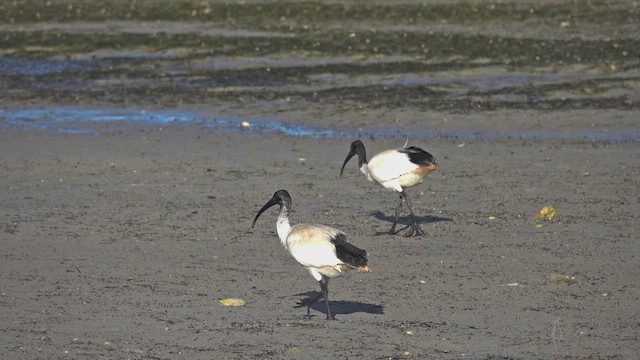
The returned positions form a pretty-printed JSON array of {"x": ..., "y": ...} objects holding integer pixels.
[
  {"x": 396, "y": 170},
  {"x": 323, "y": 250}
]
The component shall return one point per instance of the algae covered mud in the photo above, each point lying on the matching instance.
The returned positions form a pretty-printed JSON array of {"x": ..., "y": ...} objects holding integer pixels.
[{"x": 449, "y": 67}]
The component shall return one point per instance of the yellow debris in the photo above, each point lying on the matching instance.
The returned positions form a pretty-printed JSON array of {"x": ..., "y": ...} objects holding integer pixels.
[
  {"x": 547, "y": 212},
  {"x": 232, "y": 302}
]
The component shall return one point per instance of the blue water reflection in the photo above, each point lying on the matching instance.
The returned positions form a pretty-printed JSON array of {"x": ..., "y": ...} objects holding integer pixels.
[{"x": 85, "y": 120}]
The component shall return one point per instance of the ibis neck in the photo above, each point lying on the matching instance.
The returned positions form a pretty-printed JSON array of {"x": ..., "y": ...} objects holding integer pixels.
[
  {"x": 364, "y": 168},
  {"x": 282, "y": 225}
]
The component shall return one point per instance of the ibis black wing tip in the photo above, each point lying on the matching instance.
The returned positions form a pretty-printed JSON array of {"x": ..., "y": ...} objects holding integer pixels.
[
  {"x": 419, "y": 156},
  {"x": 349, "y": 253}
]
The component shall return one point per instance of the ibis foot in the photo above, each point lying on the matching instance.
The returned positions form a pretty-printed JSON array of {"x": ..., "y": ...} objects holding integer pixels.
[
  {"x": 415, "y": 230},
  {"x": 307, "y": 303}
]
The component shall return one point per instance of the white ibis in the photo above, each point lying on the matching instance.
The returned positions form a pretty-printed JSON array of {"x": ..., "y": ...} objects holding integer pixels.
[
  {"x": 395, "y": 170},
  {"x": 323, "y": 250}
]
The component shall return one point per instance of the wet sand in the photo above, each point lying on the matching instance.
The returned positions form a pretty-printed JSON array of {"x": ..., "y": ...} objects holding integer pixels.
[{"x": 121, "y": 245}]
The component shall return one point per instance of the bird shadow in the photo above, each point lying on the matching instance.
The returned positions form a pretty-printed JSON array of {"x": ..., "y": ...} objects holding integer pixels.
[
  {"x": 406, "y": 220},
  {"x": 342, "y": 307}
]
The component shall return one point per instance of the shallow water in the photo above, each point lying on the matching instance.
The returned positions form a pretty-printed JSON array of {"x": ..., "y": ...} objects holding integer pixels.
[{"x": 84, "y": 120}]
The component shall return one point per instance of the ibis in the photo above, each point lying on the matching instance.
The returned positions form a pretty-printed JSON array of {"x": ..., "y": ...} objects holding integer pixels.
[
  {"x": 323, "y": 250},
  {"x": 395, "y": 169}
]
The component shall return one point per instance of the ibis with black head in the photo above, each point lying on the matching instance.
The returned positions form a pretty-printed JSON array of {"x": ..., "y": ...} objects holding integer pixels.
[
  {"x": 395, "y": 169},
  {"x": 323, "y": 250}
]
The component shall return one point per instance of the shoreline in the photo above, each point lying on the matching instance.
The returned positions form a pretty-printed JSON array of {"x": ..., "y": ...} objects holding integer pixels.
[{"x": 94, "y": 121}]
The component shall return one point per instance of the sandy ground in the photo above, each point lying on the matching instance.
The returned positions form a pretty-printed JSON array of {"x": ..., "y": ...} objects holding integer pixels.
[{"x": 121, "y": 245}]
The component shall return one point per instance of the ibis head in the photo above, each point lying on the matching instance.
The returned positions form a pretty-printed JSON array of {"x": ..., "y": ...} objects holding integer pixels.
[
  {"x": 357, "y": 148},
  {"x": 280, "y": 197}
]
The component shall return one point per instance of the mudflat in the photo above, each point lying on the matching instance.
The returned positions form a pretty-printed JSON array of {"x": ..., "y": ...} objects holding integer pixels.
[{"x": 121, "y": 245}]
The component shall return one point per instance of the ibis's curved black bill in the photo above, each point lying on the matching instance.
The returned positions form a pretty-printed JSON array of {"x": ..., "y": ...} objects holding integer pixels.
[
  {"x": 269, "y": 204},
  {"x": 349, "y": 156}
]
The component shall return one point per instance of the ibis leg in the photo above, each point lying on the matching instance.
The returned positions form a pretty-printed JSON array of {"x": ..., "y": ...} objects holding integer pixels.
[
  {"x": 324, "y": 286},
  {"x": 308, "y": 302},
  {"x": 395, "y": 217},
  {"x": 415, "y": 227}
]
